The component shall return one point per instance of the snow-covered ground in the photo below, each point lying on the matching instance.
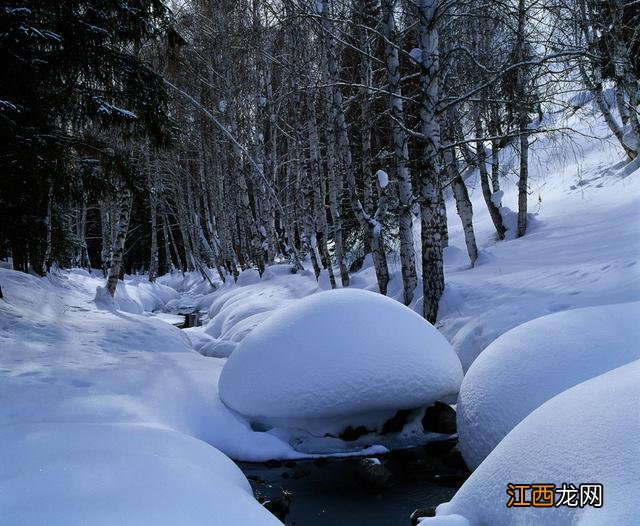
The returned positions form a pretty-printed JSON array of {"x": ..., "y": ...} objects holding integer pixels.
[
  {"x": 108, "y": 397},
  {"x": 131, "y": 474},
  {"x": 107, "y": 417},
  {"x": 581, "y": 249}
]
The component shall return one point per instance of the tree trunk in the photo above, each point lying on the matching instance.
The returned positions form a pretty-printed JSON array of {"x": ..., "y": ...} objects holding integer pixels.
[
  {"x": 460, "y": 193},
  {"x": 487, "y": 194},
  {"x": 494, "y": 130},
  {"x": 523, "y": 182},
  {"x": 432, "y": 263},
  {"x": 46, "y": 263},
  {"x": 523, "y": 121},
  {"x": 594, "y": 84},
  {"x": 121, "y": 229},
  {"x": 168, "y": 259},
  {"x": 371, "y": 225},
  {"x": 154, "y": 258},
  {"x": 334, "y": 180},
  {"x": 401, "y": 154},
  {"x": 106, "y": 225},
  {"x": 319, "y": 211}
]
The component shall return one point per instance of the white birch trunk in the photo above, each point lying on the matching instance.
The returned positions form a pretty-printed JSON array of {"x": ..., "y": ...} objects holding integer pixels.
[
  {"x": 371, "y": 225},
  {"x": 432, "y": 263},
  {"x": 121, "y": 230},
  {"x": 401, "y": 154}
]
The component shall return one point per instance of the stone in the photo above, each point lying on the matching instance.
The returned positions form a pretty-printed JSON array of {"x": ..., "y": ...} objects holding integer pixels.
[{"x": 440, "y": 418}]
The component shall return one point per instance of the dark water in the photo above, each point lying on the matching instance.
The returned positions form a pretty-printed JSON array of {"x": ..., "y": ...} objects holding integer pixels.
[{"x": 331, "y": 492}]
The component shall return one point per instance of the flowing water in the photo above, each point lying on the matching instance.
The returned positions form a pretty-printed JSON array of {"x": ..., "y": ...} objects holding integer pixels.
[{"x": 332, "y": 492}]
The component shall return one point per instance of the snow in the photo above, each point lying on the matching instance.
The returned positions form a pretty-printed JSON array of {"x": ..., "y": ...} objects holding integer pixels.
[
  {"x": 235, "y": 310},
  {"x": 580, "y": 249},
  {"x": 338, "y": 356},
  {"x": 496, "y": 198},
  {"x": 89, "y": 397},
  {"x": 104, "y": 106},
  {"x": 447, "y": 520},
  {"x": 248, "y": 277},
  {"x": 587, "y": 434},
  {"x": 78, "y": 368},
  {"x": 530, "y": 364},
  {"x": 383, "y": 178},
  {"x": 104, "y": 366},
  {"x": 416, "y": 54},
  {"x": 127, "y": 474},
  {"x": 136, "y": 296}
]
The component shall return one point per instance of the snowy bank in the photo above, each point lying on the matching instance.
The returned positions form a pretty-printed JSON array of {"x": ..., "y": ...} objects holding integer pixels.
[
  {"x": 587, "y": 434},
  {"x": 338, "y": 358},
  {"x": 126, "y": 474},
  {"x": 530, "y": 364},
  {"x": 104, "y": 410}
]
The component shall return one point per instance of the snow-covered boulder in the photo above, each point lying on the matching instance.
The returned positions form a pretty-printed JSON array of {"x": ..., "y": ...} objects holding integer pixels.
[
  {"x": 249, "y": 276},
  {"x": 215, "y": 348},
  {"x": 530, "y": 364},
  {"x": 135, "y": 296},
  {"x": 587, "y": 434},
  {"x": 338, "y": 358},
  {"x": 126, "y": 474}
]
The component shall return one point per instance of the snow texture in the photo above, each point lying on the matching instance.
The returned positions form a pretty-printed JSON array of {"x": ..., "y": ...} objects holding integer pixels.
[
  {"x": 587, "y": 434},
  {"x": 535, "y": 361},
  {"x": 581, "y": 248},
  {"x": 73, "y": 360},
  {"x": 383, "y": 178},
  {"x": 416, "y": 54},
  {"x": 448, "y": 520},
  {"x": 71, "y": 474},
  {"x": 338, "y": 354}
]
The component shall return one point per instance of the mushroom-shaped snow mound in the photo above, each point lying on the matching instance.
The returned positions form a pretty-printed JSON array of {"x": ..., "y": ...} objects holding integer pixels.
[
  {"x": 587, "y": 435},
  {"x": 530, "y": 364},
  {"x": 336, "y": 357}
]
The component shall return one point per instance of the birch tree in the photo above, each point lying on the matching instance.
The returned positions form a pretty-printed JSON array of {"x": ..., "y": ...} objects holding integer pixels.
[{"x": 401, "y": 152}]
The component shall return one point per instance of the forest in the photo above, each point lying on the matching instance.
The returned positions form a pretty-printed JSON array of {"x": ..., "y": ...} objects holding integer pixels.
[{"x": 147, "y": 137}]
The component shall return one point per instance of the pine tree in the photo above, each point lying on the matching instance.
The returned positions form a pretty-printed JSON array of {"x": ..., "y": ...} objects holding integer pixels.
[{"x": 73, "y": 80}]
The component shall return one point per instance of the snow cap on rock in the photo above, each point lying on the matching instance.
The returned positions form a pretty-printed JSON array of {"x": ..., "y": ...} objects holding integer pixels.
[
  {"x": 338, "y": 354},
  {"x": 535, "y": 361}
]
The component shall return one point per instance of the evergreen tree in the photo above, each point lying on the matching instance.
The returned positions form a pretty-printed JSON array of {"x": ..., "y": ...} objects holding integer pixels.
[{"x": 73, "y": 95}]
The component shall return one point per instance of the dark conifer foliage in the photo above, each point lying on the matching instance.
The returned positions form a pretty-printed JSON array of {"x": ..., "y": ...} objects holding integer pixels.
[{"x": 74, "y": 94}]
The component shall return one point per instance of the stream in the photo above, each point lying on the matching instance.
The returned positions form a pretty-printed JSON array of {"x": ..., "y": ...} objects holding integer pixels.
[
  {"x": 334, "y": 491},
  {"x": 341, "y": 491}
]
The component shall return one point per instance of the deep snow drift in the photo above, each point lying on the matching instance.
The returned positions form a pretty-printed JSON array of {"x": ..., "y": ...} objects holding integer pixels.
[
  {"x": 581, "y": 247},
  {"x": 103, "y": 366},
  {"x": 105, "y": 416},
  {"x": 71, "y": 474},
  {"x": 339, "y": 358},
  {"x": 235, "y": 309},
  {"x": 530, "y": 364},
  {"x": 587, "y": 434}
]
